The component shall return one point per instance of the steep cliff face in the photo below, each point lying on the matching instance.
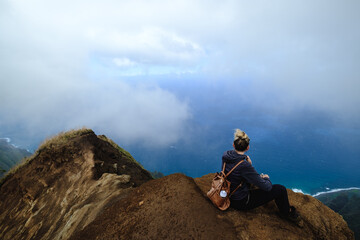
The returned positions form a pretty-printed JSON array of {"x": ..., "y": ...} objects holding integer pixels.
[
  {"x": 64, "y": 186},
  {"x": 82, "y": 186}
]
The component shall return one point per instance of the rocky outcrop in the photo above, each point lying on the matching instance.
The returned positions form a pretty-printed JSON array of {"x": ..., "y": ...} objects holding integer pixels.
[
  {"x": 65, "y": 186},
  {"x": 83, "y": 186}
]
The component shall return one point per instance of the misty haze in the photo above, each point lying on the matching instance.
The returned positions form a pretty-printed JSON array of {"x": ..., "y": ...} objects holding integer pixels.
[{"x": 170, "y": 81}]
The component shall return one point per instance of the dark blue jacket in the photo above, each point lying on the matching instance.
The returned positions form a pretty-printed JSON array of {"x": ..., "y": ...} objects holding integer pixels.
[{"x": 244, "y": 172}]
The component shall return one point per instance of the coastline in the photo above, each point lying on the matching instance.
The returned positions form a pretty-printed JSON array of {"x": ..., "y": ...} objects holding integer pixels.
[{"x": 298, "y": 190}]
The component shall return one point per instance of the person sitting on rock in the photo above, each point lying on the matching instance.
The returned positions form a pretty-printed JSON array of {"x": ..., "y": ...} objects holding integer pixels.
[{"x": 245, "y": 198}]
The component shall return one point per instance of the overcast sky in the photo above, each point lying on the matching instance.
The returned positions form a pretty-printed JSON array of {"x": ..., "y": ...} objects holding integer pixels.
[{"x": 67, "y": 64}]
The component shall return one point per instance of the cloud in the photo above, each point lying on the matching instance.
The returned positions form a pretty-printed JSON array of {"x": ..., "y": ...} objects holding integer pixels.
[
  {"x": 46, "y": 87},
  {"x": 150, "y": 46},
  {"x": 152, "y": 51},
  {"x": 297, "y": 54},
  {"x": 123, "y": 62},
  {"x": 138, "y": 114},
  {"x": 69, "y": 61}
]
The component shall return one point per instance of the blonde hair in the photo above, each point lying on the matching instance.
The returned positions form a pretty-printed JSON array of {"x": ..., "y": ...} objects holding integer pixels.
[{"x": 241, "y": 140}]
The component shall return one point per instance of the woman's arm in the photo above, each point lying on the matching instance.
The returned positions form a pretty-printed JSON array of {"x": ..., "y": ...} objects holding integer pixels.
[
  {"x": 248, "y": 159},
  {"x": 253, "y": 177}
]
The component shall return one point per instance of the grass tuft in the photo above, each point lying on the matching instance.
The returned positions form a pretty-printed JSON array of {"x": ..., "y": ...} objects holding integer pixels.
[
  {"x": 63, "y": 138},
  {"x": 123, "y": 151}
]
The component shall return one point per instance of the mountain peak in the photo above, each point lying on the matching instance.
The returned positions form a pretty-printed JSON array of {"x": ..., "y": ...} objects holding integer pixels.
[{"x": 64, "y": 185}]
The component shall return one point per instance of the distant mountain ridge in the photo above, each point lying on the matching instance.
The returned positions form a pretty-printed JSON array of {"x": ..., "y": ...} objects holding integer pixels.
[
  {"x": 82, "y": 186},
  {"x": 346, "y": 203},
  {"x": 10, "y": 155}
]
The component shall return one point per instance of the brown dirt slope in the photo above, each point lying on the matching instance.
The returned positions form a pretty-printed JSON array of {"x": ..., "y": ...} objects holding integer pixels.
[
  {"x": 175, "y": 207},
  {"x": 168, "y": 208},
  {"x": 63, "y": 187}
]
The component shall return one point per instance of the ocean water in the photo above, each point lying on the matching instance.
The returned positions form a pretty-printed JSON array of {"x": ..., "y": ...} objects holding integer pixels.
[
  {"x": 312, "y": 167},
  {"x": 302, "y": 148}
]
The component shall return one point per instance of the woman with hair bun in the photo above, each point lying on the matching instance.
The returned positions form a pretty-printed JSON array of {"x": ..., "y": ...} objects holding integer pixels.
[{"x": 245, "y": 198}]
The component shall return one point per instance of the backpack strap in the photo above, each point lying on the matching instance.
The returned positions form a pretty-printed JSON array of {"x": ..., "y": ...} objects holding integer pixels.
[
  {"x": 232, "y": 168},
  {"x": 223, "y": 171},
  {"x": 236, "y": 189}
]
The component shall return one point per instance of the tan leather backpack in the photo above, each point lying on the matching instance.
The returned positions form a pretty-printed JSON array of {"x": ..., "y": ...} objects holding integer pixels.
[{"x": 219, "y": 193}]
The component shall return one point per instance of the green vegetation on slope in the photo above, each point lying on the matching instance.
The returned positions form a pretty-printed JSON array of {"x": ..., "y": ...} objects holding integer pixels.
[
  {"x": 123, "y": 151},
  {"x": 346, "y": 203},
  {"x": 63, "y": 138},
  {"x": 10, "y": 156}
]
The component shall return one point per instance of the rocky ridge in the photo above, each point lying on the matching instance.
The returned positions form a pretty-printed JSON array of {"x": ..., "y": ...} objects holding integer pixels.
[
  {"x": 62, "y": 188},
  {"x": 82, "y": 186}
]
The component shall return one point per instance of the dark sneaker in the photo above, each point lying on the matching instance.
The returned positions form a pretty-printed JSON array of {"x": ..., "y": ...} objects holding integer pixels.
[
  {"x": 294, "y": 217},
  {"x": 293, "y": 214}
]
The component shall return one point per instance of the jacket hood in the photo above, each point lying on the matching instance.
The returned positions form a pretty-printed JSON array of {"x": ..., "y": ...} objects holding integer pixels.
[{"x": 231, "y": 156}]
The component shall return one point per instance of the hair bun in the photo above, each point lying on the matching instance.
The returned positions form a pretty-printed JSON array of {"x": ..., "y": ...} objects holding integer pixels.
[
  {"x": 241, "y": 140},
  {"x": 240, "y": 135}
]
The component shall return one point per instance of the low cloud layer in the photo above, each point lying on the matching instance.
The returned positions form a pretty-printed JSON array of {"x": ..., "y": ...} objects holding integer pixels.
[
  {"x": 67, "y": 64},
  {"x": 138, "y": 114}
]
